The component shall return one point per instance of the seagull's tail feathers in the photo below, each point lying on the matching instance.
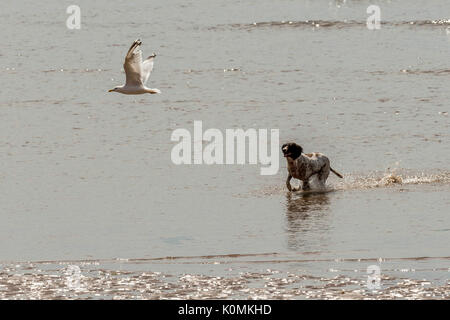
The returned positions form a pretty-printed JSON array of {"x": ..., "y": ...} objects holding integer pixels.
[{"x": 154, "y": 91}]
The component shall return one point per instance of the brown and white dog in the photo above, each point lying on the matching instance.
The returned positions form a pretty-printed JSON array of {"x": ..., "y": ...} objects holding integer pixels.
[{"x": 303, "y": 166}]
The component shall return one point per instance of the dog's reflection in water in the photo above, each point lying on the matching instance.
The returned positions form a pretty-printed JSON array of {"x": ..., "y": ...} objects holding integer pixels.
[{"x": 307, "y": 219}]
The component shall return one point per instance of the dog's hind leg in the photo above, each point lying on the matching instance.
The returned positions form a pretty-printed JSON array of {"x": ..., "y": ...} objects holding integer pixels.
[
  {"x": 323, "y": 174},
  {"x": 305, "y": 185}
]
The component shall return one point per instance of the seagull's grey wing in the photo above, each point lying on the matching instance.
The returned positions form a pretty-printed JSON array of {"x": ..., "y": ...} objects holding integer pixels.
[
  {"x": 147, "y": 67},
  {"x": 133, "y": 65}
]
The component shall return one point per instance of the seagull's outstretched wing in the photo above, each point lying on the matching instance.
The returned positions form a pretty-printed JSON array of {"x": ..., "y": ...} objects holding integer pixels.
[
  {"x": 133, "y": 65},
  {"x": 147, "y": 67}
]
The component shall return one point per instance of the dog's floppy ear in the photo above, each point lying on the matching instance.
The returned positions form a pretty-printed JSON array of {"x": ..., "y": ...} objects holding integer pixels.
[{"x": 296, "y": 151}]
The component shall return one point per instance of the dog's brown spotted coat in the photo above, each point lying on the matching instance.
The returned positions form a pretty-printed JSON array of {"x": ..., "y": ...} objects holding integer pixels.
[{"x": 303, "y": 166}]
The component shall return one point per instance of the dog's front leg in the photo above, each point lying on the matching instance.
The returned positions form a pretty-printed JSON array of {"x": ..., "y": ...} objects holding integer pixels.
[{"x": 288, "y": 182}]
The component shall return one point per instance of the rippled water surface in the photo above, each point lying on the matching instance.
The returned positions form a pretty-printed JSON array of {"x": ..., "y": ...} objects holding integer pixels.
[{"x": 86, "y": 178}]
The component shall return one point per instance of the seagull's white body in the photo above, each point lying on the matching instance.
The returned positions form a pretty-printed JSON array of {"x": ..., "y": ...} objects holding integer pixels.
[{"x": 137, "y": 72}]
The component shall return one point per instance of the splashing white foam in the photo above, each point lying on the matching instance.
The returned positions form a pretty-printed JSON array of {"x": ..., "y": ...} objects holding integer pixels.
[{"x": 391, "y": 178}]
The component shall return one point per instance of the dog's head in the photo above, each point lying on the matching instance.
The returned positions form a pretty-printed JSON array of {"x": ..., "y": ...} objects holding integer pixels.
[{"x": 291, "y": 150}]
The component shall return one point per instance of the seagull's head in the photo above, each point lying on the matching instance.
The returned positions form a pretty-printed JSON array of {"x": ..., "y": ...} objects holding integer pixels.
[{"x": 114, "y": 89}]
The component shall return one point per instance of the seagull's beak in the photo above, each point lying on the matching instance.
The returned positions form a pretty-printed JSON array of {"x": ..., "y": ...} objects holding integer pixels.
[{"x": 111, "y": 90}]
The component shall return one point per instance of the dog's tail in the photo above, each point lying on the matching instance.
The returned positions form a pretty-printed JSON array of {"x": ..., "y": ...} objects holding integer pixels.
[{"x": 336, "y": 173}]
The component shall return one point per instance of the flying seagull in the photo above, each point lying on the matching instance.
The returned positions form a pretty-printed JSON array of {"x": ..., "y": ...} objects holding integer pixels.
[{"x": 137, "y": 72}]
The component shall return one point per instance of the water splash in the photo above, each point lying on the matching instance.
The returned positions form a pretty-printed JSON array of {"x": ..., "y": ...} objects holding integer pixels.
[{"x": 391, "y": 178}]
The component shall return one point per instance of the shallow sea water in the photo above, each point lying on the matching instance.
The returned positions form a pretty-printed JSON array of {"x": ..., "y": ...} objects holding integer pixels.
[{"x": 86, "y": 178}]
